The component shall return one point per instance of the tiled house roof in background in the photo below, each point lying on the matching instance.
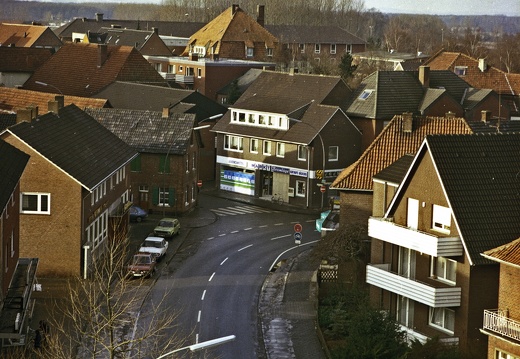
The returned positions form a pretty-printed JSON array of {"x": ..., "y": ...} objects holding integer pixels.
[
  {"x": 12, "y": 99},
  {"x": 303, "y": 34},
  {"x": 494, "y": 126},
  {"x": 474, "y": 97},
  {"x": 508, "y": 253},
  {"x": 140, "y": 39},
  {"x": 19, "y": 35},
  {"x": 74, "y": 69},
  {"x": 491, "y": 78},
  {"x": 480, "y": 176},
  {"x": 232, "y": 25},
  {"x": 76, "y": 143},
  {"x": 11, "y": 168},
  {"x": 393, "y": 143},
  {"x": 6, "y": 120},
  {"x": 22, "y": 59},
  {"x": 134, "y": 96},
  {"x": 148, "y": 131}
]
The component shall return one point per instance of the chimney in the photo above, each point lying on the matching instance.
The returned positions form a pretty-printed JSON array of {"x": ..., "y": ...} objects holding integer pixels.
[
  {"x": 234, "y": 9},
  {"x": 424, "y": 76},
  {"x": 485, "y": 115},
  {"x": 34, "y": 111},
  {"x": 24, "y": 115},
  {"x": 99, "y": 17},
  {"x": 482, "y": 65},
  {"x": 102, "y": 54},
  {"x": 165, "y": 112},
  {"x": 407, "y": 122},
  {"x": 155, "y": 30},
  {"x": 260, "y": 11},
  {"x": 56, "y": 104},
  {"x": 291, "y": 71}
]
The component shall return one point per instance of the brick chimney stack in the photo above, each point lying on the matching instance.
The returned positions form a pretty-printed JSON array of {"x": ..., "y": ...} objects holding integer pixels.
[
  {"x": 165, "y": 112},
  {"x": 234, "y": 9},
  {"x": 99, "y": 17},
  {"x": 424, "y": 76},
  {"x": 260, "y": 10},
  {"x": 102, "y": 54}
]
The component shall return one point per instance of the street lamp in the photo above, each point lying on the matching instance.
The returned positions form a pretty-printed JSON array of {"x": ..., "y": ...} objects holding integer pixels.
[
  {"x": 201, "y": 346},
  {"x": 322, "y": 153},
  {"x": 46, "y": 84},
  {"x": 163, "y": 202}
]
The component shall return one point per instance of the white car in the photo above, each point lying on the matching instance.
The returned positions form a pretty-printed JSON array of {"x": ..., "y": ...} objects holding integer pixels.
[{"x": 156, "y": 246}]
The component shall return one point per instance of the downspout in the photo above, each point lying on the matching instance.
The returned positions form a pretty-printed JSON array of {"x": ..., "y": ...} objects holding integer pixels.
[{"x": 309, "y": 174}]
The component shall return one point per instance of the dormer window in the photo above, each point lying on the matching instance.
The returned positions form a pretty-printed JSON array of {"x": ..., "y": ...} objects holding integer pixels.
[
  {"x": 460, "y": 70},
  {"x": 259, "y": 119},
  {"x": 365, "y": 94}
]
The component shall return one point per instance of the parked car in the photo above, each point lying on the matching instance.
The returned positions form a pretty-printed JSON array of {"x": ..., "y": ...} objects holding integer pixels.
[
  {"x": 137, "y": 214},
  {"x": 167, "y": 228},
  {"x": 156, "y": 246},
  {"x": 142, "y": 265}
]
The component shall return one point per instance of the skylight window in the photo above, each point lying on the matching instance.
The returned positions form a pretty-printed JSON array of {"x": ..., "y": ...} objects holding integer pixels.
[{"x": 365, "y": 94}]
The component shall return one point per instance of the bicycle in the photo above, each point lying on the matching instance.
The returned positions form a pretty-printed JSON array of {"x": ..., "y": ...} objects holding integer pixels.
[{"x": 277, "y": 199}]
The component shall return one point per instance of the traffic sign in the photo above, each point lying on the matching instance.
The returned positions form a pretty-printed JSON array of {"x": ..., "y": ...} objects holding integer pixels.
[
  {"x": 298, "y": 237},
  {"x": 297, "y": 227},
  {"x": 199, "y": 183},
  {"x": 323, "y": 189}
]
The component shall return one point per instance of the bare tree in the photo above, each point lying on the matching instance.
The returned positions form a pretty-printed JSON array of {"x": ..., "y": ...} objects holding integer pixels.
[{"x": 100, "y": 318}]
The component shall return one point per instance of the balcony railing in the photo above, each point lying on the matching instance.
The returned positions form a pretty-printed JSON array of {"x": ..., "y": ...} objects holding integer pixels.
[
  {"x": 428, "y": 243},
  {"x": 183, "y": 79},
  {"x": 436, "y": 297},
  {"x": 496, "y": 321}
]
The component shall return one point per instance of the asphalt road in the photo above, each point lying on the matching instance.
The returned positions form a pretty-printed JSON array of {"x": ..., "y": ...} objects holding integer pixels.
[{"x": 214, "y": 279}]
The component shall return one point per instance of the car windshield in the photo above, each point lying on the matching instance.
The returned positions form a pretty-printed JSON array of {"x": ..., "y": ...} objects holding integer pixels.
[
  {"x": 165, "y": 224},
  {"x": 152, "y": 244},
  {"x": 142, "y": 260}
]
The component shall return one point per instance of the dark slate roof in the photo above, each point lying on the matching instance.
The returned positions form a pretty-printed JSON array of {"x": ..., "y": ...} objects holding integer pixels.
[
  {"x": 474, "y": 97},
  {"x": 243, "y": 81},
  {"x": 480, "y": 176},
  {"x": 396, "y": 92},
  {"x": 396, "y": 172},
  {"x": 494, "y": 126},
  {"x": 76, "y": 143},
  {"x": 430, "y": 96},
  {"x": 133, "y": 96},
  {"x": 305, "y": 34},
  {"x": 12, "y": 166},
  {"x": 148, "y": 131},
  {"x": 6, "y": 120}
]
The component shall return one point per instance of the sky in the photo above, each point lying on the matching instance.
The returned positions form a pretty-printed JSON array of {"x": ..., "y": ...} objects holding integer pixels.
[{"x": 431, "y": 7}]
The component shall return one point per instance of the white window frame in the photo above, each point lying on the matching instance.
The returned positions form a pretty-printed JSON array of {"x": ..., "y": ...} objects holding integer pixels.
[
  {"x": 441, "y": 219},
  {"x": 280, "y": 149},
  {"x": 442, "y": 319},
  {"x": 164, "y": 196},
  {"x": 365, "y": 94},
  {"x": 97, "y": 231},
  {"x": 269, "y": 52},
  {"x": 300, "y": 189},
  {"x": 39, "y": 197},
  {"x": 332, "y": 48},
  {"x": 250, "y": 51},
  {"x": 334, "y": 155},
  {"x": 302, "y": 48},
  {"x": 348, "y": 48},
  {"x": 460, "y": 70},
  {"x": 253, "y": 145},
  {"x": 317, "y": 48},
  {"x": 500, "y": 354},
  {"x": 303, "y": 153},
  {"x": 171, "y": 69},
  {"x": 267, "y": 148},
  {"x": 199, "y": 73},
  {"x": 233, "y": 143},
  {"x": 444, "y": 270}
]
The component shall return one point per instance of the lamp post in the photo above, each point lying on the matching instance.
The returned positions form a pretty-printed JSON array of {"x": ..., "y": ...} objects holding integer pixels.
[
  {"x": 323, "y": 157},
  {"x": 162, "y": 193},
  {"x": 46, "y": 84},
  {"x": 201, "y": 346}
]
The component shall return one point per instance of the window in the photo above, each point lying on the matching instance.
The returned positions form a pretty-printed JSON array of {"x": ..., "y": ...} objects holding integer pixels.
[
  {"x": 302, "y": 153},
  {"x": 164, "y": 195},
  {"x": 241, "y": 117},
  {"x": 181, "y": 68},
  {"x": 302, "y": 48},
  {"x": 269, "y": 52},
  {"x": 199, "y": 73},
  {"x": 412, "y": 213},
  {"x": 36, "y": 203},
  {"x": 332, "y": 48},
  {"x": 249, "y": 52},
  {"x": 444, "y": 269},
  {"x": 499, "y": 354},
  {"x": 261, "y": 120},
  {"x": 460, "y": 70},
  {"x": 348, "y": 49},
  {"x": 171, "y": 69},
  {"x": 300, "y": 188},
  {"x": 333, "y": 153},
  {"x": 267, "y": 148},
  {"x": 442, "y": 318},
  {"x": 164, "y": 164},
  {"x": 317, "y": 48},
  {"x": 157, "y": 67},
  {"x": 251, "y": 118},
  {"x": 441, "y": 219},
  {"x": 280, "y": 149},
  {"x": 187, "y": 164},
  {"x": 365, "y": 94},
  {"x": 97, "y": 231},
  {"x": 233, "y": 143},
  {"x": 253, "y": 145},
  {"x": 135, "y": 165},
  {"x": 405, "y": 311}
]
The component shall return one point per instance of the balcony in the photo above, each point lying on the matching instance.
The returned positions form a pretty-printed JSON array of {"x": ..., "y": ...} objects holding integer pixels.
[
  {"x": 497, "y": 322},
  {"x": 184, "y": 79},
  {"x": 436, "y": 297},
  {"x": 428, "y": 243}
]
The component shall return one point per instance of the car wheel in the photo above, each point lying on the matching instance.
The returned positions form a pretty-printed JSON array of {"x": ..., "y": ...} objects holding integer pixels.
[{"x": 138, "y": 219}]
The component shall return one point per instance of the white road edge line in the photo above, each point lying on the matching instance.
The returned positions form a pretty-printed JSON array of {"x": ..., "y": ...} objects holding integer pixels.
[
  {"x": 203, "y": 295},
  {"x": 197, "y": 338},
  {"x": 286, "y": 235},
  {"x": 210, "y": 278},
  {"x": 241, "y": 249},
  {"x": 224, "y": 261},
  {"x": 287, "y": 250},
  {"x": 279, "y": 224},
  {"x": 248, "y": 229},
  {"x": 222, "y": 234},
  {"x": 198, "y": 316},
  {"x": 234, "y": 231}
]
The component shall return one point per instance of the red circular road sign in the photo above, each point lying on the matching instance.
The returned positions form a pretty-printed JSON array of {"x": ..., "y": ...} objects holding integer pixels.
[
  {"x": 199, "y": 183},
  {"x": 297, "y": 228},
  {"x": 323, "y": 189}
]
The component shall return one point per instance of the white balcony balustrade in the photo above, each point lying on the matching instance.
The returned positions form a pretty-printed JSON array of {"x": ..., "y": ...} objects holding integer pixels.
[{"x": 497, "y": 321}]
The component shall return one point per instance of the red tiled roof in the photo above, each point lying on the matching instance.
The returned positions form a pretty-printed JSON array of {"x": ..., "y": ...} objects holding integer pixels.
[
  {"x": 20, "y": 35},
  {"x": 74, "y": 69},
  {"x": 509, "y": 253},
  {"x": 22, "y": 59},
  {"x": 393, "y": 143},
  {"x": 12, "y": 99}
]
